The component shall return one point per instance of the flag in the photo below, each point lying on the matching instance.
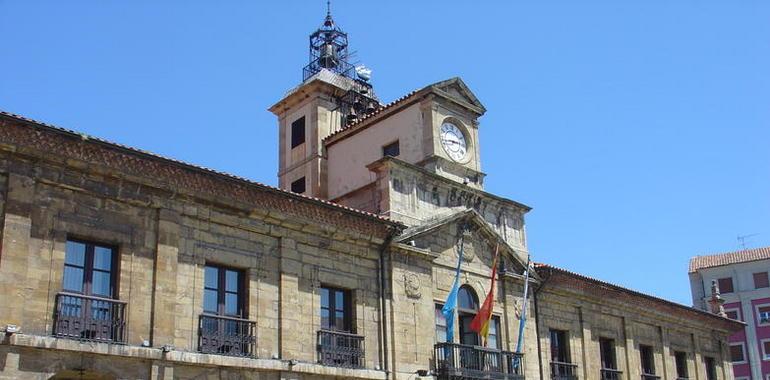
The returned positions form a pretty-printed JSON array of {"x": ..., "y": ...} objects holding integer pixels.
[
  {"x": 523, "y": 319},
  {"x": 481, "y": 321},
  {"x": 451, "y": 300}
]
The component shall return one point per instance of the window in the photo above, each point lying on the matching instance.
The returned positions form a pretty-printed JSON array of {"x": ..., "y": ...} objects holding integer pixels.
[
  {"x": 736, "y": 353},
  {"x": 298, "y": 186},
  {"x": 298, "y": 132},
  {"x": 607, "y": 352},
  {"x": 711, "y": 368},
  {"x": 733, "y": 314},
  {"x": 89, "y": 269},
  {"x": 223, "y": 292},
  {"x": 647, "y": 359},
  {"x": 559, "y": 346},
  {"x": 467, "y": 305},
  {"x": 336, "y": 309},
  {"x": 440, "y": 325},
  {"x": 761, "y": 280},
  {"x": 763, "y": 313},
  {"x": 725, "y": 285},
  {"x": 681, "y": 364},
  {"x": 493, "y": 338},
  {"x": 766, "y": 349},
  {"x": 391, "y": 149}
]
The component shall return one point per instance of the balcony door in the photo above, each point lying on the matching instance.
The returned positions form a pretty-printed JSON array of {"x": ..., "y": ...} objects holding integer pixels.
[
  {"x": 467, "y": 307},
  {"x": 84, "y": 308}
]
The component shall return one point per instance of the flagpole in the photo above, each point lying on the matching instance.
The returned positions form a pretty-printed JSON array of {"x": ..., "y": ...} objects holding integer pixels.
[{"x": 523, "y": 319}]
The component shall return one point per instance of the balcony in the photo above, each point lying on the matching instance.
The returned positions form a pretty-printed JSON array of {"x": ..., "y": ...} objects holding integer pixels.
[
  {"x": 460, "y": 361},
  {"x": 649, "y": 376},
  {"x": 89, "y": 318},
  {"x": 563, "y": 371},
  {"x": 340, "y": 349},
  {"x": 611, "y": 374},
  {"x": 223, "y": 335}
]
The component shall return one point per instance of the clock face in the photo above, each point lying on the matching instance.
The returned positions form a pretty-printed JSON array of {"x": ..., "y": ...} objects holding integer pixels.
[{"x": 453, "y": 141}]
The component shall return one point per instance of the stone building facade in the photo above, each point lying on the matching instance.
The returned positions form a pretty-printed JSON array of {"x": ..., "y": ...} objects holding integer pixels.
[{"x": 119, "y": 264}]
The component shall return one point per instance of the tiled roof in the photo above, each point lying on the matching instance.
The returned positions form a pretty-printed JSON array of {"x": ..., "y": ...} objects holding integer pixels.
[
  {"x": 609, "y": 290},
  {"x": 716, "y": 260},
  {"x": 221, "y": 174},
  {"x": 365, "y": 118}
]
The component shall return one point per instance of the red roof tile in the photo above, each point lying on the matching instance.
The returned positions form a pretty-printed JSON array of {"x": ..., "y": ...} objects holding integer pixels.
[
  {"x": 607, "y": 290},
  {"x": 716, "y": 260},
  {"x": 243, "y": 180}
]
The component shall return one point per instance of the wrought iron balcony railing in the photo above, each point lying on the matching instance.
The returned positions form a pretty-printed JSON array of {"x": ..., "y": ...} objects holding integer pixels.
[
  {"x": 89, "y": 318},
  {"x": 460, "y": 361},
  {"x": 223, "y": 335},
  {"x": 340, "y": 349},
  {"x": 650, "y": 376},
  {"x": 563, "y": 371},
  {"x": 611, "y": 374}
]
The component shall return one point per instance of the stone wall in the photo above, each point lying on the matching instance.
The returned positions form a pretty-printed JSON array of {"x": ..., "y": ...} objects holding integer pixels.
[{"x": 588, "y": 317}]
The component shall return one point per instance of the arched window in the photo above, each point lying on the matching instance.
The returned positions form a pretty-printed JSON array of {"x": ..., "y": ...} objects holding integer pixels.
[{"x": 467, "y": 299}]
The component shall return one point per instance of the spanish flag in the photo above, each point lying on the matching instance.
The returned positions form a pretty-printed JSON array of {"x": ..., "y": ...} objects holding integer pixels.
[{"x": 480, "y": 323}]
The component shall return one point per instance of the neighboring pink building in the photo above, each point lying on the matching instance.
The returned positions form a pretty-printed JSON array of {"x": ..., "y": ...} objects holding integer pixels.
[{"x": 743, "y": 280}]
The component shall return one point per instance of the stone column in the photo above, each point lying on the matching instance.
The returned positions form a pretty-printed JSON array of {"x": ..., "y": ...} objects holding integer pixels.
[
  {"x": 669, "y": 367},
  {"x": 165, "y": 276}
]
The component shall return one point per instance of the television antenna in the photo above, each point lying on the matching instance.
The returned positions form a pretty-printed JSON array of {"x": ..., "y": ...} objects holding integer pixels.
[{"x": 742, "y": 240}]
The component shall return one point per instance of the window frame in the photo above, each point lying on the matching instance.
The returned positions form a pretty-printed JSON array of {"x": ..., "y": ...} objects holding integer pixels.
[
  {"x": 742, "y": 345},
  {"x": 732, "y": 285},
  {"x": 710, "y": 365},
  {"x": 390, "y": 145},
  {"x": 296, "y": 182},
  {"x": 612, "y": 351},
  {"x": 241, "y": 293},
  {"x": 437, "y": 325},
  {"x": 295, "y": 137},
  {"x": 643, "y": 350},
  {"x": 347, "y": 309},
  {"x": 88, "y": 267},
  {"x": 564, "y": 339},
  {"x": 758, "y": 316},
  {"x": 737, "y": 311},
  {"x": 495, "y": 321},
  {"x": 684, "y": 356},
  {"x": 765, "y": 353},
  {"x": 766, "y": 279}
]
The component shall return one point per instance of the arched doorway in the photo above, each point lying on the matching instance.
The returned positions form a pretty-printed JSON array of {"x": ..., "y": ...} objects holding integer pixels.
[{"x": 467, "y": 307}]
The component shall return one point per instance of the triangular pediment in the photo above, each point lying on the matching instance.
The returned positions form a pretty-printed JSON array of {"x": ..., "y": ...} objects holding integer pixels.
[
  {"x": 440, "y": 236},
  {"x": 455, "y": 89}
]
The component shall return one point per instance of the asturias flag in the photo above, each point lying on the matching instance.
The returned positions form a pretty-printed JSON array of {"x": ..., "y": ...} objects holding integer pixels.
[
  {"x": 451, "y": 301},
  {"x": 480, "y": 323}
]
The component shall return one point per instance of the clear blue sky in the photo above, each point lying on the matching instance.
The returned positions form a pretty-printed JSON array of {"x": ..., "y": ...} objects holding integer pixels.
[{"x": 637, "y": 130}]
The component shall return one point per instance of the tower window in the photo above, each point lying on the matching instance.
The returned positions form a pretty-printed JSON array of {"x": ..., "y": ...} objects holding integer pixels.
[
  {"x": 391, "y": 149},
  {"x": 298, "y": 186},
  {"x": 298, "y": 132}
]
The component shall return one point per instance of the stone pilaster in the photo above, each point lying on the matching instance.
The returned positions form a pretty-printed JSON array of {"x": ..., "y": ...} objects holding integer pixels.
[
  {"x": 289, "y": 309},
  {"x": 17, "y": 226},
  {"x": 164, "y": 289}
]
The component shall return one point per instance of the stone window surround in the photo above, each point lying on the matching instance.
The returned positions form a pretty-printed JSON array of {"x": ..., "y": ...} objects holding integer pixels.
[
  {"x": 765, "y": 354},
  {"x": 743, "y": 349},
  {"x": 737, "y": 311},
  {"x": 756, "y": 313}
]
